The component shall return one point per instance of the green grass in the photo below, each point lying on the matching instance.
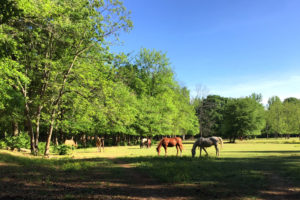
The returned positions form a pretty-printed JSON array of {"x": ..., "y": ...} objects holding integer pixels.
[{"x": 242, "y": 171}]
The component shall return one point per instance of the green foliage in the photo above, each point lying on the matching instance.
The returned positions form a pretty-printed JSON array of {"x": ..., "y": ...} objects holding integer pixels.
[
  {"x": 17, "y": 142},
  {"x": 210, "y": 113},
  {"x": 283, "y": 117},
  {"x": 62, "y": 149},
  {"x": 163, "y": 106},
  {"x": 243, "y": 117},
  {"x": 45, "y": 45},
  {"x": 3, "y": 144}
]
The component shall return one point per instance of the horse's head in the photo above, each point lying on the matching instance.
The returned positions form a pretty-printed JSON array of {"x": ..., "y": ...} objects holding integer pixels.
[
  {"x": 158, "y": 150},
  {"x": 193, "y": 153}
]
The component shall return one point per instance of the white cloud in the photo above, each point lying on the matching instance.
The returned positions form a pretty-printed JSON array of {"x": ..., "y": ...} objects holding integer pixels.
[{"x": 283, "y": 87}]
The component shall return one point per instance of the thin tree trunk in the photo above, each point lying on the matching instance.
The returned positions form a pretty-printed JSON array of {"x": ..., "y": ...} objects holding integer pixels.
[
  {"x": 37, "y": 134},
  {"x": 31, "y": 134},
  {"x": 50, "y": 133}
]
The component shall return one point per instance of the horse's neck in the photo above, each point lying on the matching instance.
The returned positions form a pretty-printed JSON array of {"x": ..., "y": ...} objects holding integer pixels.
[{"x": 195, "y": 145}]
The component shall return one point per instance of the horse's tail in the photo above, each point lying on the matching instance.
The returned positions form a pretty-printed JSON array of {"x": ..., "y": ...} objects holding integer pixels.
[
  {"x": 179, "y": 141},
  {"x": 221, "y": 142}
]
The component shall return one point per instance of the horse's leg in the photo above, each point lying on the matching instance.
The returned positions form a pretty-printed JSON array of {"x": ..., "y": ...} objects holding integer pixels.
[
  {"x": 103, "y": 145},
  {"x": 180, "y": 151},
  {"x": 166, "y": 150},
  {"x": 200, "y": 151},
  {"x": 205, "y": 151},
  {"x": 217, "y": 150}
]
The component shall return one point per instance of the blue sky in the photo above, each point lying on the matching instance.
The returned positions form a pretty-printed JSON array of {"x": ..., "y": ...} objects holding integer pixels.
[{"x": 233, "y": 48}]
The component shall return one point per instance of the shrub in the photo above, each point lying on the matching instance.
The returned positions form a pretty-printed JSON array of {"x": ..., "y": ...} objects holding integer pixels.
[
  {"x": 3, "y": 144},
  {"x": 17, "y": 142},
  {"x": 62, "y": 149}
]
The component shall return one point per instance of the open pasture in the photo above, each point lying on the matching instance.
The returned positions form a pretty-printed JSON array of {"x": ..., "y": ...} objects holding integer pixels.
[{"x": 249, "y": 169}]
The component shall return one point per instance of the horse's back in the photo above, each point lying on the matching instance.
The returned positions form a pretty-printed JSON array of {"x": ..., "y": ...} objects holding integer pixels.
[
  {"x": 144, "y": 140},
  {"x": 179, "y": 140},
  {"x": 70, "y": 142}
]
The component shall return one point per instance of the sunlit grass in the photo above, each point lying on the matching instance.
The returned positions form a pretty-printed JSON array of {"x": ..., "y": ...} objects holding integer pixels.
[
  {"x": 245, "y": 148},
  {"x": 243, "y": 168}
]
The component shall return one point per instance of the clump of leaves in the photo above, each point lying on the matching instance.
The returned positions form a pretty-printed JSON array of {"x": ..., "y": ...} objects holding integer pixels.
[
  {"x": 3, "y": 144},
  {"x": 62, "y": 149},
  {"x": 17, "y": 142}
]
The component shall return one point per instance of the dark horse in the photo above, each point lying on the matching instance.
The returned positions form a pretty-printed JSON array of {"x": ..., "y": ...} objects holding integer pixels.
[
  {"x": 207, "y": 142},
  {"x": 145, "y": 142},
  {"x": 170, "y": 142}
]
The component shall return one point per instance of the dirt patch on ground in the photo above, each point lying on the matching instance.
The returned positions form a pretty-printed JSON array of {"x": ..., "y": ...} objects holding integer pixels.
[
  {"x": 280, "y": 189},
  {"x": 141, "y": 186}
]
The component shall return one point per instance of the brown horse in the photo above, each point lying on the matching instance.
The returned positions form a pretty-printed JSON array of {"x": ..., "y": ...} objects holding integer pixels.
[
  {"x": 99, "y": 143},
  {"x": 145, "y": 142},
  {"x": 170, "y": 142}
]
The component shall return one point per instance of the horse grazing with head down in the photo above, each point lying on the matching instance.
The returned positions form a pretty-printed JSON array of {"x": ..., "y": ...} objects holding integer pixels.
[
  {"x": 170, "y": 142},
  {"x": 207, "y": 142}
]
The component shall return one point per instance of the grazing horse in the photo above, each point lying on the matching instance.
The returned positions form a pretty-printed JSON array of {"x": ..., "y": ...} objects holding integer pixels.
[
  {"x": 145, "y": 142},
  {"x": 71, "y": 143},
  {"x": 99, "y": 143},
  {"x": 170, "y": 142},
  {"x": 207, "y": 142}
]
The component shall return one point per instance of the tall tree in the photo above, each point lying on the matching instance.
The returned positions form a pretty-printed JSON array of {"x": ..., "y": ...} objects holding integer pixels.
[
  {"x": 275, "y": 115},
  {"x": 243, "y": 117},
  {"x": 49, "y": 40},
  {"x": 210, "y": 114}
]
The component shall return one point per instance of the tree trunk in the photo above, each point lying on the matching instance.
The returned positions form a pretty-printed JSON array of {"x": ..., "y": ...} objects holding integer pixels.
[
  {"x": 15, "y": 128},
  {"x": 31, "y": 134},
  {"x": 84, "y": 140},
  {"x": 50, "y": 133},
  {"x": 56, "y": 139},
  {"x": 37, "y": 134}
]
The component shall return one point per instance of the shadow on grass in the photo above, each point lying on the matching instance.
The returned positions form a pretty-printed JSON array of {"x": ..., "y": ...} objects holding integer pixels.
[
  {"x": 279, "y": 152},
  {"x": 100, "y": 178}
]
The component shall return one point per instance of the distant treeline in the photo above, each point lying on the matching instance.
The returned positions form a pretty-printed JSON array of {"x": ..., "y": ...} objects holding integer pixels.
[{"x": 246, "y": 117}]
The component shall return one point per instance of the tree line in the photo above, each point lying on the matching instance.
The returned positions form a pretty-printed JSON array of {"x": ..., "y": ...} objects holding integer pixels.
[
  {"x": 244, "y": 117},
  {"x": 58, "y": 77}
]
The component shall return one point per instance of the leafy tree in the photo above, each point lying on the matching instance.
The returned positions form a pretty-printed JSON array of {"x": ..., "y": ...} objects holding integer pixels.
[
  {"x": 185, "y": 121},
  {"x": 47, "y": 40},
  {"x": 291, "y": 107},
  {"x": 243, "y": 117},
  {"x": 275, "y": 114},
  {"x": 163, "y": 107},
  {"x": 210, "y": 114}
]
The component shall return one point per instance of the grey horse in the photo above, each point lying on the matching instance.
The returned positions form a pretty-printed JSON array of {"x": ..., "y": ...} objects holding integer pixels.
[{"x": 207, "y": 142}]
